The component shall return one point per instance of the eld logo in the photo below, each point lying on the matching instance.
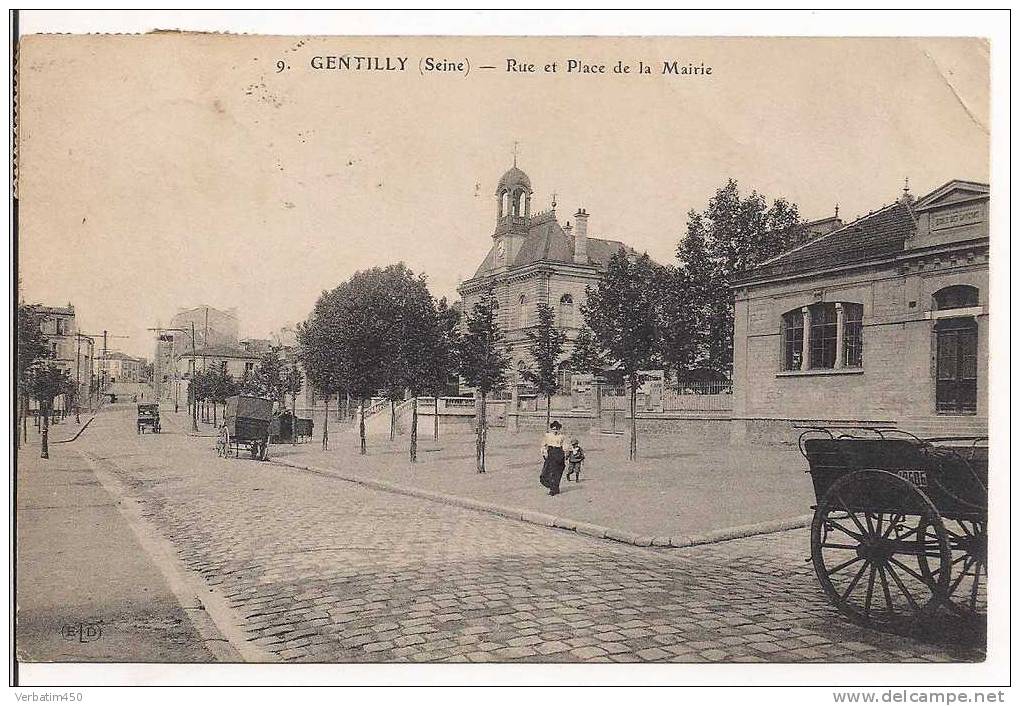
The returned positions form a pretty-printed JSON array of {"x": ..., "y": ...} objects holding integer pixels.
[
  {"x": 918, "y": 478},
  {"x": 82, "y": 632}
]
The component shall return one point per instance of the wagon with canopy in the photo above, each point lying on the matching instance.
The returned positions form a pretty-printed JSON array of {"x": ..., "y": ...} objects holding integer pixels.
[{"x": 246, "y": 424}]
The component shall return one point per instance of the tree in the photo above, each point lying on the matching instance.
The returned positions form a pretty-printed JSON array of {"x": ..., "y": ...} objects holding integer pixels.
[
  {"x": 267, "y": 378},
  {"x": 44, "y": 382},
  {"x": 587, "y": 357},
  {"x": 483, "y": 362},
  {"x": 221, "y": 385},
  {"x": 293, "y": 383},
  {"x": 622, "y": 311},
  {"x": 732, "y": 235},
  {"x": 545, "y": 346},
  {"x": 33, "y": 346},
  {"x": 319, "y": 352},
  {"x": 441, "y": 363},
  {"x": 413, "y": 339},
  {"x": 347, "y": 342},
  {"x": 681, "y": 316}
]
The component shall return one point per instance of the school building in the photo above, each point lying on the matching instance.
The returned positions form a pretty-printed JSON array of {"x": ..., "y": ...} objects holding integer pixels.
[{"x": 880, "y": 321}]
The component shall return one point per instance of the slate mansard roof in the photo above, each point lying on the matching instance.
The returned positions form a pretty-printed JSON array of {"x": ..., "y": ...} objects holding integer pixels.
[{"x": 546, "y": 241}]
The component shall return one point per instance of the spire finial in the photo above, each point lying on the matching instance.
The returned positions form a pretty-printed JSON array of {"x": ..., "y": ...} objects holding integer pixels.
[
  {"x": 554, "y": 200},
  {"x": 837, "y": 211},
  {"x": 906, "y": 185},
  {"x": 515, "y": 152}
]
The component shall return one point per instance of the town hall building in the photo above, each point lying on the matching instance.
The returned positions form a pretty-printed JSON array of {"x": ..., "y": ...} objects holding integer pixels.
[
  {"x": 883, "y": 321},
  {"x": 534, "y": 260}
]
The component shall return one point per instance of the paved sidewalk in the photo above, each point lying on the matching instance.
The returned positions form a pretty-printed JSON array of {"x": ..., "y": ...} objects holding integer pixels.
[
  {"x": 86, "y": 589},
  {"x": 678, "y": 487}
]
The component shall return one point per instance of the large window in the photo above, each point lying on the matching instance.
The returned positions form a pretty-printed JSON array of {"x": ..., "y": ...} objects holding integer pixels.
[
  {"x": 566, "y": 319},
  {"x": 823, "y": 336},
  {"x": 958, "y": 296},
  {"x": 853, "y": 336},
  {"x": 793, "y": 339}
]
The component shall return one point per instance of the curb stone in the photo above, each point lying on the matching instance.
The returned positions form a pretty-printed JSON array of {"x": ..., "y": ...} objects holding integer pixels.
[{"x": 545, "y": 520}]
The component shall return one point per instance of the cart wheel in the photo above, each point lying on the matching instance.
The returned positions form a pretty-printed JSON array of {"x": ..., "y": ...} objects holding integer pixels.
[
  {"x": 871, "y": 562},
  {"x": 264, "y": 450},
  {"x": 968, "y": 546}
]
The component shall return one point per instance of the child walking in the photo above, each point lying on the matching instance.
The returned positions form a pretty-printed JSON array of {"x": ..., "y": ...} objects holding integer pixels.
[{"x": 575, "y": 459}]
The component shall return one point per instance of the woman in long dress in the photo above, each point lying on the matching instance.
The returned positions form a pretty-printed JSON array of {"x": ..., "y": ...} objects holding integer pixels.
[{"x": 554, "y": 450}]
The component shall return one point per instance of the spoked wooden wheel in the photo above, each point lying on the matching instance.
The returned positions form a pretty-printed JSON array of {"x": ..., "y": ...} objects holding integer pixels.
[
  {"x": 968, "y": 573},
  {"x": 870, "y": 538}
]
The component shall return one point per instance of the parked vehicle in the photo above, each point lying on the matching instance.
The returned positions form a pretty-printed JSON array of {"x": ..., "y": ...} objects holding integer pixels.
[
  {"x": 900, "y": 528},
  {"x": 148, "y": 418},
  {"x": 246, "y": 423}
]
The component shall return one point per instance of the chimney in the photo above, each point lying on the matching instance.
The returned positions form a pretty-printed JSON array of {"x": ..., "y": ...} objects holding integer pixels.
[{"x": 581, "y": 237}]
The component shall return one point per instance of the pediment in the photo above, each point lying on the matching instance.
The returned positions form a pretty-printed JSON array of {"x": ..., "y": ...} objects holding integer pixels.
[{"x": 952, "y": 193}]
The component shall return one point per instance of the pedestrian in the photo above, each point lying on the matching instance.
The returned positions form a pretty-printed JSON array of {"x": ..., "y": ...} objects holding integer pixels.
[
  {"x": 554, "y": 450},
  {"x": 575, "y": 457}
]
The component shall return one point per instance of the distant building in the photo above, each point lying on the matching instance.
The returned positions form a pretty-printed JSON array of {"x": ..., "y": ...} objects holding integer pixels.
[
  {"x": 235, "y": 360},
  {"x": 534, "y": 260},
  {"x": 212, "y": 327},
  {"x": 881, "y": 321},
  {"x": 120, "y": 367},
  {"x": 70, "y": 351}
]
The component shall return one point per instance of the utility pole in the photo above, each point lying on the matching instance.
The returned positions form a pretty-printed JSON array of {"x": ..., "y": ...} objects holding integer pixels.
[
  {"x": 104, "y": 362},
  {"x": 191, "y": 385},
  {"x": 173, "y": 358}
]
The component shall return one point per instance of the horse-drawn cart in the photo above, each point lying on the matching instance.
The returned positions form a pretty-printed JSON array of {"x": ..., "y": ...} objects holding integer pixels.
[
  {"x": 286, "y": 428},
  {"x": 148, "y": 418},
  {"x": 246, "y": 423},
  {"x": 900, "y": 528}
]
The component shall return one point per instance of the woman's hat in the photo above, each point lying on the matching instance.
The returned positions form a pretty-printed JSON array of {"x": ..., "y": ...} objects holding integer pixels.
[{"x": 555, "y": 425}]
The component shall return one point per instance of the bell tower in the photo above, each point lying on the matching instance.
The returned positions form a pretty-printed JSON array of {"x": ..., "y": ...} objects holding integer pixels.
[{"x": 513, "y": 213}]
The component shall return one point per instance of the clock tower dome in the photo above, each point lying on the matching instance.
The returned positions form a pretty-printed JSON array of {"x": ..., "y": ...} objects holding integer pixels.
[{"x": 513, "y": 214}]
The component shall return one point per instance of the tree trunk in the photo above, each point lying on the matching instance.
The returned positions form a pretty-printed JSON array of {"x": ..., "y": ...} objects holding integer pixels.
[
  {"x": 361, "y": 425},
  {"x": 293, "y": 417},
  {"x": 480, "y": 440},
  {"x": 548, "y": 410},
  {"x": 393, "y": 420},
  {"x": 598, "y": 408},
  {"x": 325, "y": 426},
  {"x": 17, "y": 421},
  {"x": 633, "y": 418},
  {"x": 414, "y": 429},
  {"x": 215, "y": 419},
  {"x": 435, "y": 418},
  {"x": 45, "y": 431}
]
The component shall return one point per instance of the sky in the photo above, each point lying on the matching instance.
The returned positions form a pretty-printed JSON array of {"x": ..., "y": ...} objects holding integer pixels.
[{"x": 168, "y": 171}]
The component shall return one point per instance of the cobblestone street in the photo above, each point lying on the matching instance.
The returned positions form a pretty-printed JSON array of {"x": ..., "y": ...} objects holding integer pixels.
[{"x": 319, "y": 570}]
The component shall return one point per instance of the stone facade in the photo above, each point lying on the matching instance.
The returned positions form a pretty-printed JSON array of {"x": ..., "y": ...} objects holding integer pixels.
[
  {"x": 895, "y": 310},
  {"x": 534, "y": 260}
]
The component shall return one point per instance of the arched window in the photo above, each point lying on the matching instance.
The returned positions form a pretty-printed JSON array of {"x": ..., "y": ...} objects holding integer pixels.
[
  {"x": 958, "y": 296},
  {"x": 822, "y": 336},
  {"x": 566, "y": 317},
  {"x": 522, "y": 312},
  {"x": 518, "y": 198}
]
